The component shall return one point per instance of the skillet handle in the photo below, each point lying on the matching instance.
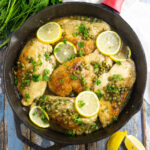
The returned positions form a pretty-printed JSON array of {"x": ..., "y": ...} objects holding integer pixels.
[
  {"x": 114, "y": 4},
  {"x": 18, "y": 123}
]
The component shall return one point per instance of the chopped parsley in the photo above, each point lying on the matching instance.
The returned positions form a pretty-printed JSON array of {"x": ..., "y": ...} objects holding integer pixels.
[
  {"x": 81, "y": 103},
  {"x": 83, "y": 30},
  {"x": 98, "y": 82},
  {"x": 61, "y": 81},
  {"x": 43, "y": 118},
  {"x": 81, "y": 52},
  {"x": 47, "y": 56},
  {"x": 45, "y": 77},
  {"x": 99, "y": 94},
  {"x": 34, "y": 64},
  {"x": 74, "y": 77},
  {"x": 40, "y": 60},
  {"x": 65, "y": 101},
  {"x": 72, "y": 57},
  {"x": 34, "y": 113},
  {"x": 64, "y": 41},
  {"x": 27, "y": 96},
  {"x": 117, "y": 77},
  {"x": 115, "y": 118},
  {"x": 87, "y": 88},
  {"x": 36, "y": 77},
  {"x": 119, "y": 63},
  {"x": 83, "y": 80},
  {"x": 75, "y": 34},
  {"x": 96, "y": 67},
  {"x": 70, "y": 132},
  {"x": 78, "y": 120},
  {"x": 15, "y": 80},
  {"x": 57, "y": 50},
  {"x": 80, "y": 44}
]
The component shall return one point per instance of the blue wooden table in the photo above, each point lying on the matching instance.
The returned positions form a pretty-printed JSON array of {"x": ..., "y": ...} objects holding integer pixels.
[{"x": 138, "y": 126}]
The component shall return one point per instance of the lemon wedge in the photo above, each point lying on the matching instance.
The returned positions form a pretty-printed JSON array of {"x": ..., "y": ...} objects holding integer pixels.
[
  {"x": 39, "y": 117},
  {"x": 108, "y": 42},
  {"x": 64, "y": 51},
  {"x": 87, "y": 104},
  {"x": 123, "y": 54},
  {"x": 132, "y": 143},
  {"x": 49, "y": 33},
  {"x": 115, "y": 140}
]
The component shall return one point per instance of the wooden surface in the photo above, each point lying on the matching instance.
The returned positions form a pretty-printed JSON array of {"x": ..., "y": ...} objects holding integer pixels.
[{"x": 138, "y": 126}]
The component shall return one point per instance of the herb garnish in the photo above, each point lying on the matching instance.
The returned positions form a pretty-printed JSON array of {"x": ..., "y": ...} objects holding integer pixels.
[
  {"x": 83, "y": 30},
  {"x": 78, "y": 120},
  {"x": 80, "y": 44},
  {"x": 47, "y": 56},
  {"x": 36, "y": 77},
  {"x": 61, "y": 81},
  {"x": 45, "y": 77},
  {"x": 83, "y": 80},
  {"x": 57, "y": 50},
  {"x": 117, "y": 77},
  {"x": 70, "y": 132},
  {"x": 64, "y": 41},
  {"x": 81, "y": 52},
  {"x": 119, "y": 63},
  {"x": 74, "y": 77},
  {"x": 81, "y": 103},
  {"x": 27, "y": 96},
  {"x": 115, "y": 118},
  {"x": 98, "y": 82},
  {"x": 99, "y": 94}
]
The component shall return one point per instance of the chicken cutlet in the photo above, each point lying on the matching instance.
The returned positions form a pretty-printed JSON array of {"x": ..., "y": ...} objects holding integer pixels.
[
  {"x": 86, "y": 32},
  {"x": 34, "y": 67},
  {"x": 79, "y": 74},
  {"x": 62, "y": 111},
  {"x": 114, "y": 88}
]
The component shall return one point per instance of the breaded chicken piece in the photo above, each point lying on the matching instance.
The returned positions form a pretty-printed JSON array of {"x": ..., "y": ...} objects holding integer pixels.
[
  {"x": 33, "y": 60},
  {"x": 109, "y": 110},
  {"x": 70, "y": 29},
  {"x": 62, "y": 111},
  {"x": 76, "y": 74}
]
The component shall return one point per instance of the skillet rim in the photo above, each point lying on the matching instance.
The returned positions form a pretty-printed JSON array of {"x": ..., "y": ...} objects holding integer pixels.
[{"x": 52, "y": 138}]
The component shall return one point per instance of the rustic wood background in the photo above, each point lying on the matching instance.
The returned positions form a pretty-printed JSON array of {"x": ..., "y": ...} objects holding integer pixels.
[{"x": 138, "y": 126}]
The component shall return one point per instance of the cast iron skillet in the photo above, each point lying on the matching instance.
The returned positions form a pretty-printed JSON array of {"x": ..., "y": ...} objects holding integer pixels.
[{"x": 18, "y": 40}]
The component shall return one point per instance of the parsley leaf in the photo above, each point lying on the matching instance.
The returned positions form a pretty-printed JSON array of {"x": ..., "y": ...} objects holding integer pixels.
[
  {"x": 57, "y": 50},
  {"x": 80, "y": 44},
  {"x": 74, "y": 77},
  {"x": 81, "y": 103},
  {"x": 78, "y": 120},
  {"x": 64, "y": 41},
  {"x": 36, "y": 77},
  {"x": 27, "y": 96},
  {"x": 99, "y": 94},
  {"x": 98, "y": 82},
  {"x": 117, "y": 77},
  {"x": 61, "y": 81},
  {"x": 47, "y": 56},
  {"x": 119, "y": 63},
  {"x": 81, "y": 52},
  {"x": 83, "y": 80}
]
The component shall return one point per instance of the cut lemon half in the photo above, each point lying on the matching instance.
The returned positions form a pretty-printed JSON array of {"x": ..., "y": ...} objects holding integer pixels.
[
  {"x": 87, "y": 104},
  {"x": 123, "y": 54},
  {"x": 108, "y": 42},
  {"x": 132, "y": 143},
  {"x": 64, "y": 51},
  {"x": 39, "y": 117},
  {"x": 49, "y": 33},
  {"x": 115, "y": 140}
]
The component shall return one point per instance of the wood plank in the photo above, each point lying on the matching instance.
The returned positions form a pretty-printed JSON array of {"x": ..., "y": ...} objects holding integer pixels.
[
  {"x": 13, "y": 142},
  {"x": 92, "y": 146}
]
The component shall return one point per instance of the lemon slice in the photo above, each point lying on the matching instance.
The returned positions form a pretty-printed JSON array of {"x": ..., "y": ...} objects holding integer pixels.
[
  {"x": 49, "y": 33},
  {"x": 87, "y": 104},
  {"x": 123, "y": 54},
  {"x": 115, "y": 140},
  {"x": 39, "y": 117},
  {"x": 108, "y": 42},
  {"x": 132, "y": 143},
  {"x": 64, "y": 51}
]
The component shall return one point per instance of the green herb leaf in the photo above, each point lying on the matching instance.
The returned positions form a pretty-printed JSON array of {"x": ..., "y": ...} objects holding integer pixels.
[
  {"x": 117, "y": 77},
  {"x": 47, "y": 56},
  {"x": 119, "y": 63},
  {"x": 83, "y": 80},
  {"x": 61, "y": 81},
  {"x": 78, "y": 120},
  {"x": 36, "y": 77},
  {"x": 81, "y": 103},
  {"x": 70, "y": 132},
  {"x": 81, "y": 52},
  {"x": 98, "y": 82},
  {"x": 27, "y": 96},
  {"x": 74, "y": 77},
  {"x": 99, "y": 94},
  {"x": 57, "y": 50},
  {"x": 80, "y": 44},
  {"x": 64, "y": 41},
  {"x": 115, "y": 118}
]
